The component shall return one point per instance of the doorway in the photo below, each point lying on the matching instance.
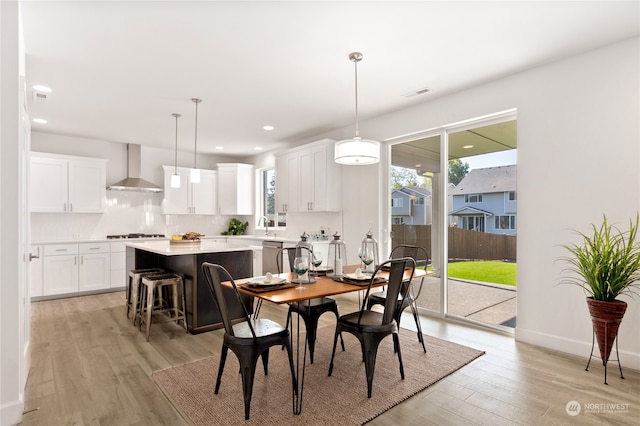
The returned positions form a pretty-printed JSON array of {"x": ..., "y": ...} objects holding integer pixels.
[{"x": 453, "y": 190}]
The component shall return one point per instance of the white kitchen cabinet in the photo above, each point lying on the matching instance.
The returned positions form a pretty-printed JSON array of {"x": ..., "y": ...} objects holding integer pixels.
[
  {"x": 60, "y": 269},
  {"x": 190, "y": 198},
  {"x": 235, "y": 189},
  {"x": 287, "y": 183},
  {"x": 119, "y": 275},
  {"x": 94, "y": 270},
  {"x": 62, "y": 183},
  {"x": 311, "y": 180},
  {"x": 73, "y": 268},
  {"x": 35, "y": 270}
]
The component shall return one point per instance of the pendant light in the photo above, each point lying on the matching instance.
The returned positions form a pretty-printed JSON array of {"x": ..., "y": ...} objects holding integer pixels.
[
  {"x": 357, "y": 151},
  {"x": 175, "y": 177},
  {"x": 195, "y": 172}
]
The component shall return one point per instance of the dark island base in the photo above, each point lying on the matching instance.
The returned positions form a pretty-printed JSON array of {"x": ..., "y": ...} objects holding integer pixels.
[{"x": 202, "y": 312}]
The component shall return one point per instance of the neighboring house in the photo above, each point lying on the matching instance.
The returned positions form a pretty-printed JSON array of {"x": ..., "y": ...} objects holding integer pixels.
[
  {"x": 412, "y": 205},
  {"x": 485, "y": 200}
]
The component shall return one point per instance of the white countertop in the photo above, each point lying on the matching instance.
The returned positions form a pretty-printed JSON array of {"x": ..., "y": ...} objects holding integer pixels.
[{"x": 165, "y": 248}]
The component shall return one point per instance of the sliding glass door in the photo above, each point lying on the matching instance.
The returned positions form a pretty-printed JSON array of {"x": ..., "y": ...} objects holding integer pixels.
[{"x": 453, "y": 191}]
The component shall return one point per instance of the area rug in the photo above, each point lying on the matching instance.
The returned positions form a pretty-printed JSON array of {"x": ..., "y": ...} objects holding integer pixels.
[{"x": 337, "y": 400}]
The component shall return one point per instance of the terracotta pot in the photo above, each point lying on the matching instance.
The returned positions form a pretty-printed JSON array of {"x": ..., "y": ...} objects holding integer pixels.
[{"x": 606, "y": 318}]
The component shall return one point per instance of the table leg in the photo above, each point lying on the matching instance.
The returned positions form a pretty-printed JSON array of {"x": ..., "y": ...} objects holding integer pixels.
[{"x": 297, "y": 399}]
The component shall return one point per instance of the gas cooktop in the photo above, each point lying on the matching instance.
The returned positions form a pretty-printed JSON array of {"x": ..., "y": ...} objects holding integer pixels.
[{"x": 117, "y": 237}]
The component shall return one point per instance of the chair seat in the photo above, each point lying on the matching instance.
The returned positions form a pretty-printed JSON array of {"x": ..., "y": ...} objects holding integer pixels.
[
  {"x": 261, "y": 326},
  {"x": 370, "y": 322}
]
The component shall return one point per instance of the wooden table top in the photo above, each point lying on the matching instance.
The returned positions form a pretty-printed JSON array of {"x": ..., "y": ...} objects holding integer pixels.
[{"x": 324, "y": 286}]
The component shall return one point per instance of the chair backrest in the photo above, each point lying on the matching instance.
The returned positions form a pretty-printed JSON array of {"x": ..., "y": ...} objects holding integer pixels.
[
  {"x": 417, "y": 253},
  {"x": 400, "y": 270},
  {"x": 215, "y": 274},
  {"x": 290, "y": 252}
]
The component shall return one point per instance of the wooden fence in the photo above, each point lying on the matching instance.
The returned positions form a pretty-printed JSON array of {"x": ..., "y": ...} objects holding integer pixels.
[{"x": 464, "y": 244}]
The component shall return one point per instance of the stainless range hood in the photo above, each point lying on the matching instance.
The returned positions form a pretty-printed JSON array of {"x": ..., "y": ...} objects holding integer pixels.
[{"x": 133, "y": 182}]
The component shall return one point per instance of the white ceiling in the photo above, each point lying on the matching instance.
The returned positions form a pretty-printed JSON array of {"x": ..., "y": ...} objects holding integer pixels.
[{"x": 118, "y": 70}]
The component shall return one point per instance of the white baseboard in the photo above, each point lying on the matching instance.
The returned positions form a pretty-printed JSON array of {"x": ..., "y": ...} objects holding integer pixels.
[
  {"x": 11, "y": 413},
  {"x": 574, "y": 347}
]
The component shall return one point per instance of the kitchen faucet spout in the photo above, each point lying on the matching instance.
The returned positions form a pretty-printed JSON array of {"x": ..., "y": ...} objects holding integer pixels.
[{"x": 265, "y": 222}]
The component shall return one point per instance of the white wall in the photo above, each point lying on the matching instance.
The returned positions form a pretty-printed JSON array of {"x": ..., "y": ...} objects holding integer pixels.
[
  {"x": 578, "y": 157},
  {"x": 12, "y": 316}
]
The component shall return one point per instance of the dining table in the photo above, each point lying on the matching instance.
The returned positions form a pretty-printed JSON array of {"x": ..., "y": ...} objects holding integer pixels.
[{"x": 325, "y": 285}]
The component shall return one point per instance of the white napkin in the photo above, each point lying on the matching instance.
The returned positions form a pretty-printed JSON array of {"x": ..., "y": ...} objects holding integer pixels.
[
  {"x": 268, "y": 277},
  {"x": 359, "y": 273}
]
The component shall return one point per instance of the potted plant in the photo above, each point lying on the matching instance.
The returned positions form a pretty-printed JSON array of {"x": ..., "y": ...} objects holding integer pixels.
[
  {"x": 236, "y": 227},
  {"x": 606, "y": 264}
]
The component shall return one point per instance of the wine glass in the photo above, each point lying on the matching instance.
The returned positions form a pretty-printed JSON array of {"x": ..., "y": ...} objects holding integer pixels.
[
  {"x": 300, "y": 266},
  {"x": 317, "y": 260},
  {"x": 366, "y": 255}
]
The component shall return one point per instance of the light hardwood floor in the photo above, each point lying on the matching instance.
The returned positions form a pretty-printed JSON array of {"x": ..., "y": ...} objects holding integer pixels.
[{"x": 90, "y": 366}]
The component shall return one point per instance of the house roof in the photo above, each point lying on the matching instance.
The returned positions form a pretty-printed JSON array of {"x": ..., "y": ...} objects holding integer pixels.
[
  {"x": 487, "y": 180},
  {"x": 469, "y": 211},
  {"x": 413, "y": 190}
]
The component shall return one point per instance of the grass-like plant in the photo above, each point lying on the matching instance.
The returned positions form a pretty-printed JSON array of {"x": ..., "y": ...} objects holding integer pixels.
[{"x": 607, "y": 262}]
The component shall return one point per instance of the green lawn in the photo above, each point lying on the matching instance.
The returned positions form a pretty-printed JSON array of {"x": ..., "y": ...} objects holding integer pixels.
[{"x": 487, "y": 271}]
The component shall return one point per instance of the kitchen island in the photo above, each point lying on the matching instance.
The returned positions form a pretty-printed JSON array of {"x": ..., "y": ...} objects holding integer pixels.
[{"x": 187, "y": 259}]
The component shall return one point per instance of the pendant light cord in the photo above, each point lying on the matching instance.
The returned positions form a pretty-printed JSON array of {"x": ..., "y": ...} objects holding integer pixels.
[
  {"x": 176, "y": 157},
  {"x": 195, "y": 149},
  {"x": 356, "y": 57},
  {"x": 357, "y": 129}
]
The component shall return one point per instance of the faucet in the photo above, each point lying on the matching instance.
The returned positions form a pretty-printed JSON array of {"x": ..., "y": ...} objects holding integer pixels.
[{"x": 265, "y": 222}]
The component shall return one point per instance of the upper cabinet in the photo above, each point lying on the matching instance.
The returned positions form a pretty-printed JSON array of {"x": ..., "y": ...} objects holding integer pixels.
[
  {"x": 190, "y": 198},
  {"x": 61, "y": 183},
  {"x": 235, "y": 189},
  {"x": 308, "y": 179}
]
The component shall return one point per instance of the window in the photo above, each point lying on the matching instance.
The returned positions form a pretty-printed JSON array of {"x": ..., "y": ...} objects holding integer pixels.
[
  {"x": 397, "y": 202},
  {"x": 473, "y": 198},
  {"x": 398, "y": 220},
  {"x": 419, "y": 200},
  {"x": 505, "y": 222},
  {"x": 267, "y": 197},
  {"x": 475, "y": 223},
  {"x": 512, "y": 196}
]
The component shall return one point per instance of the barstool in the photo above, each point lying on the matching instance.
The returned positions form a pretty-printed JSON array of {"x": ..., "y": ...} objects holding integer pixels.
[
  {"x": 133, "y": 289},
  {"x": 152, "y": 288}
]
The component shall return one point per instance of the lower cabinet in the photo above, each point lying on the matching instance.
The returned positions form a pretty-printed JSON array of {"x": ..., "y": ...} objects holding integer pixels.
[
  {"x": 94, "y": 271},
  {"x": 60, "y": 269},
  {"x": 73, "y": 268}
]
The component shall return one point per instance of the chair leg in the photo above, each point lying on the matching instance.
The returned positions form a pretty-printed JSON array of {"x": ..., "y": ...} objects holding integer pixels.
[
  {"x": 248, "y": 373},
  {"x": 265, "y": 360},
  {"x": 396, "y": 343},
  {"x": 416, "y": 317},
  {"x": 223, "y": 359},
  {"x": 333, "y": 352},
  {"x": 369, "y": 352},
  {"x": 150, "y": 299}
]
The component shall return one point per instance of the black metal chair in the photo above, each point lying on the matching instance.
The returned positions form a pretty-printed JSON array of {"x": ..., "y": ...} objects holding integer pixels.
[
  {"x": 310, "y": 310},
  {"x": 421, "y": 257},
  {"x": 247, "y": 339},
  {"x": 371, "y": 327}
]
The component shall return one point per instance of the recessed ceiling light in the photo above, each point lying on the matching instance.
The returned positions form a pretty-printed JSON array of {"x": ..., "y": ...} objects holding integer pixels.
[
  {"x": 418, "y": 166},
  {"x": 219, "y": 147},
  {"x": 40, "y": 88},
  {"x": 40, "y": 120},
  {"x": 467, "y": 146},
  {"x": 268, "y": 127},
  {"x": 257, "y": 148}
]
